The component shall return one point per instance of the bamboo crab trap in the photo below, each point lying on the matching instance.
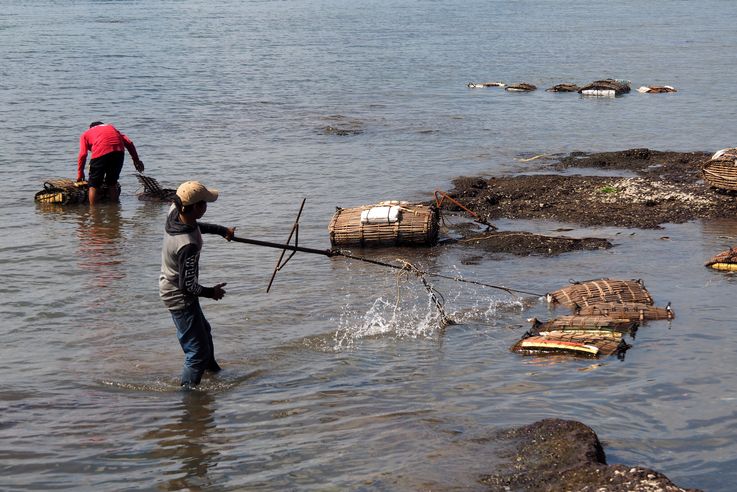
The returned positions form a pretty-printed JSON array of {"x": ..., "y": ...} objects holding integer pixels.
[
  {"x": 632, "y": 311},
  {"x": 593, "y": 323},
  {"x": 62, "y": 191},
  {"x": 721, "y": 170},
  {"x": 153, "y": 191},
  {"x": 581, "y": 294},
  {"x": 586, "y": 343},
  {"x": 725, "y": 261},
  {"x": 388, "y": 223}
]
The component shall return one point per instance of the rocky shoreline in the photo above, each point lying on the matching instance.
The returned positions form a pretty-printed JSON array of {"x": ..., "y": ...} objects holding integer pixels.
[
  {"x": 643, "y": 188},
  {"x": 636, "y": 188}
]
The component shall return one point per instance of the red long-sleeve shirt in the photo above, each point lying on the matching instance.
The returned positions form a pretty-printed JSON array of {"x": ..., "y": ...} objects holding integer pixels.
[{"x": 101, "y": 140}]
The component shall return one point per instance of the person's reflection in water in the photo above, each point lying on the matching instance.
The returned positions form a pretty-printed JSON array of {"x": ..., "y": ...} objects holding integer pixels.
[
  {"x": 188, "y": 442},
  {"x": 99, "y": 243}
]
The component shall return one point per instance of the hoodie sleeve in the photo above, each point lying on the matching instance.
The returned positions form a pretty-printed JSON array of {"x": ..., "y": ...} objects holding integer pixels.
[
  {"x": 188, "y": 259},
  {"x": 206, "y": 228}
]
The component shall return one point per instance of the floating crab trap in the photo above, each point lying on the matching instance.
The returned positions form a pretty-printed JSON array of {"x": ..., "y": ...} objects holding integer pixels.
[
  {"x": 572, "y": 323},
  {"x": 62, "y": 191},
  {"x": 721, "y": 170},
  {"x": 586, "y": 343},
  {"x": 389, "y": 223},
  {"x": 581, "y": 294},
  {"x": 632, "y": 311}
]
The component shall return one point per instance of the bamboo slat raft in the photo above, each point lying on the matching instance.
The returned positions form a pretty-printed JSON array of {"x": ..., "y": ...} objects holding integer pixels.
[
  {"x": 603, "y": 323},
  {"x": 725, "y": 261},
  {"x": 582, "y": 294},
  {"x": 631, "y": 311},
  {"x": 415, "y": 225},
  {"x": 721, "y": 170},
  {"x": 582, "y": 343}
]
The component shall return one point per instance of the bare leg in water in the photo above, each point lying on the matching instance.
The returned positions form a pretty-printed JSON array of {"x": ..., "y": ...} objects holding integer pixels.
[
  {"x": 113, "y": 193},
  {"x": 92, "y": 194}
]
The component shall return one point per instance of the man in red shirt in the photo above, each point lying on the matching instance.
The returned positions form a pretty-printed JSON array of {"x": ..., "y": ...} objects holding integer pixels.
[{"x": 107, "y": 145}]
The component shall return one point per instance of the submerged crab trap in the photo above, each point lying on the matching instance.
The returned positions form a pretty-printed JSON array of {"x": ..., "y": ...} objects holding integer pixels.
[{"x": 389, "y": 223}]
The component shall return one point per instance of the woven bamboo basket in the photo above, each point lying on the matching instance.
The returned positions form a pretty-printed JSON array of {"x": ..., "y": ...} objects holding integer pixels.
[
  {"x": 581, "y": 343},
  {"x": 628, "y": 310},
  {"x": 62, "y": 191},
  {"x": 591, "y": 322},
  {"x": 418, "y": 225},
  {"x": 582, "y": 294},
  {"x": 721, "y": 170}
]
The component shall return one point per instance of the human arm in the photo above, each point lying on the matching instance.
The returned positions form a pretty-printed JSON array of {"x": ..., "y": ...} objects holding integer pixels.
[
  {"x": 188, "y": 258},
  {"x": 82, "y": 156},
  {"x": 226, "y": 232},
  {"x": 137, "y": 162}
]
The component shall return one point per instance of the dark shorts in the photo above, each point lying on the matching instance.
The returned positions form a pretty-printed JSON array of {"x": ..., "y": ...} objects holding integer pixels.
[{"x": 106, "y": 169}]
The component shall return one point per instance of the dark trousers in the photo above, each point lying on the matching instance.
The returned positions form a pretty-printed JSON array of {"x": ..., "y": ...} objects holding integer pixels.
[{"x": 194, "y": 334}]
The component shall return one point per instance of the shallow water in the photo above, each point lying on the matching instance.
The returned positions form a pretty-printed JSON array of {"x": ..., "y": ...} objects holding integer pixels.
[{"x": 340, "y": 378}]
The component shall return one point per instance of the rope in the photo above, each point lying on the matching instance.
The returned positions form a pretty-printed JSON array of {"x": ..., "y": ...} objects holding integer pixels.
[
  {"x": 437, "y": 298},
  {"x": 508, "y": 290}
]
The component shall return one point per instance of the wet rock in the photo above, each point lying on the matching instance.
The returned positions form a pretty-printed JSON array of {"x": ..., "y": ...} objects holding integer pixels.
[
  {"x": 563, "y": 88},
  {"x": 332, "y": 130},
  {"x": 526, "y": 243},
  {"x": 553, "y": 455},
  {"x": 522, "y": 87}
]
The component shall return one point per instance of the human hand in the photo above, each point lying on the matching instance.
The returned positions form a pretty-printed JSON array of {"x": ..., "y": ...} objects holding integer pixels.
[
  {"x": 138, "y": 165},
  {"x": 218, "y": 292},
  {"x": 80, "y": 177},
  {"x": 230, "y": 234}
]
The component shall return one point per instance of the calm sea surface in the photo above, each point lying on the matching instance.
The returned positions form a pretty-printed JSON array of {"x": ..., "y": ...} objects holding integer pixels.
[{"x": 340, "y": 379}]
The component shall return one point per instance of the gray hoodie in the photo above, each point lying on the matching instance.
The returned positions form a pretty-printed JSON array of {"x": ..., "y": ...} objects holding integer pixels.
[{"x": 180, "y": 258}]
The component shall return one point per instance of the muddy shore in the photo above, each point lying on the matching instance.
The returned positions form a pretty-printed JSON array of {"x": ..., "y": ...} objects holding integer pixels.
[{"x": 642, "y": 188}]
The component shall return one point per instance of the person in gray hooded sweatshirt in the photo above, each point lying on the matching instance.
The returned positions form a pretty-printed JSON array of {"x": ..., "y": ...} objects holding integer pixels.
[{"x": 179, "y": 285}]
